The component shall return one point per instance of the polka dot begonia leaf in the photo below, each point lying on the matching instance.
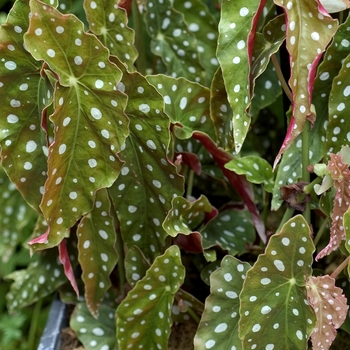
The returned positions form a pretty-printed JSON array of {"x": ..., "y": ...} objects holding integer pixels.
[
  {"x": 17, "y": 218},
  {"x": 232, "y": 230},
  {"x": 332, "y": 6},
  {"x": 234, "y": 53},
  {"x": 172, "y": 40},
  {"x": 309, "y": 30},
  {"x": 273, "y": 300},
  {"x": 97, "y": 254},
  {"x": 203, "y": 25},
  {"x": 186, "y": 103},
  {"x": 136, "y": 265},
  {"x": 221, "y": 112},
  {"x": 22, "y": 139},
  {"x": 339, "y": 170},
  {"x": 330, "y": 307},
  {"x": 142, "y": 194},
  {"x": 38, "y": 280},
  {"x": 144, "y": 316},
  {"x": 218, "y": 328},
  {"x": 208, "y": 270},
  {"x": 89, "y": 123},
  {"x": 256, "y": 169},
  {"x": 109, "y": 23},
  {"x": 95, "y": 333},
  {"x": 186, "y": 216}
]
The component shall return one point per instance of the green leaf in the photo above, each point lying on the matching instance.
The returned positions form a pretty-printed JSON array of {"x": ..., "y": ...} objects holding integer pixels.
[
  {"x": 15, "y": 217},
  {"x": 109, "y": 23},
  {"x": 273, "y": 298},
  {"x": 218, "y": 328},
  {"x": 136, "y": 265},
  {"x": 203, "y": 25},
  {"x": 89, "y": 124},
  {"x": 97, "y": 255},
  {"x": 95, "y": 334},
  {"x": 232, "y": 230},
  {"x": 173, "y": 41},
  {"x": 23, "y": 143},
  {"x": 186, "y": 103},
  {"x": 144, "y": 316},
  {"x": 256, "y": 169},
  {"x": 38, "y": 280},
  {"x": 309, "y": 32},
  {"x": 142, "y": 194},
  {"x": 184, "y": 216},
  {"x": 235, "y": 60}
]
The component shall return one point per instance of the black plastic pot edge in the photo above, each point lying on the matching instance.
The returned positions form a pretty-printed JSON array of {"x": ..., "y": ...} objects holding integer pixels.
[{"x": 57, "y": 319}]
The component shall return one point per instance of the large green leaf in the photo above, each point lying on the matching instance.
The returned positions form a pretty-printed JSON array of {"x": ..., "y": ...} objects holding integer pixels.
[
  {"x": 144, "y": 316},
  {"x": 142, "y": 194},
  {"x": 89, "y": 124},
  {"x": 109, "y": 23},
  {"x": 273, "y": 298},
  {"x": 23, "y": 144},
  {"x": 97, "y": 255},
  {"x": 218, "y": 328}
]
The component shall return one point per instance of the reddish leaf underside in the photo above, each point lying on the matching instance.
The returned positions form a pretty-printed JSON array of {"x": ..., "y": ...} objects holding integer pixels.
[
  {"x": 309, "y": 30},
  {"x": 330, "y": 306},
  {"x": 341, "y": 177}
]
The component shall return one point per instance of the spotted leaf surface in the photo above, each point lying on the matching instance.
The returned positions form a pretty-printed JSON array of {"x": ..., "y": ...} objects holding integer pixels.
[
  {"x": 89, "y": 123},
  {"x": 273, "y": 298},
  {"x": 218, "y": 328},
  {"x": 203, "y": 25},
  {"x": 330, "y": 306},
  {"x": 186, "y": 103},
  {"x": 234, "y": 52},
  {"x": 185, "y": 216},
  {"x": 341, "y": 178},
  {"x": 231, "y": 230},
  {"x": 94, "y": 333},
  {"x": 40, "y": 279},
  {"x": 221, "y": 112},
  {"x": 208, "y": 270},
  {"x": 136, "y": 265},
  {"x": 144, "y": 316},
  {"x": 142, "y": 194},
  {"x": 338, "y": 133},
  {"x": 309, "y": 30},
  {"x": 173, "y": 41},
  {"x": 97, "y": 255},
  {"x": 256, "y": 169},
  {"x": 16, "y": 218},
  {"x": 22, "y": 139},
  {"x": 109, "y": 22}
]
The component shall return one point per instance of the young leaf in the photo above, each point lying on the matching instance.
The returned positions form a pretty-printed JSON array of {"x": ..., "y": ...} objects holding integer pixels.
[
  {"x": 142, "y": 194},
  {"x": 144, "y": 316},
  {"x": 22, "y": 138},
  {"x": 136, "y": 265},
  {"x": 309, "y": 30},
  {"x": 173, "y": 41},
  {"x": 273, "y": 298},
  {"x": 235, "y": 47},
  {"x": 203, "y": 25},
  {"x": 218, "y": 328},
  {"x": 97, "y": 254},
  {"x": 330, "y": 308},
  {"x": 94, "y": 334},
  {"x": 231, "y": 230},
  {"x": 256, "y": 169},
  {"x": 109, "y": 22},
  {"x": 184, "y": 216},
  {"x": 341, "y": 176},
  {"x": 89, "y": 123}
]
